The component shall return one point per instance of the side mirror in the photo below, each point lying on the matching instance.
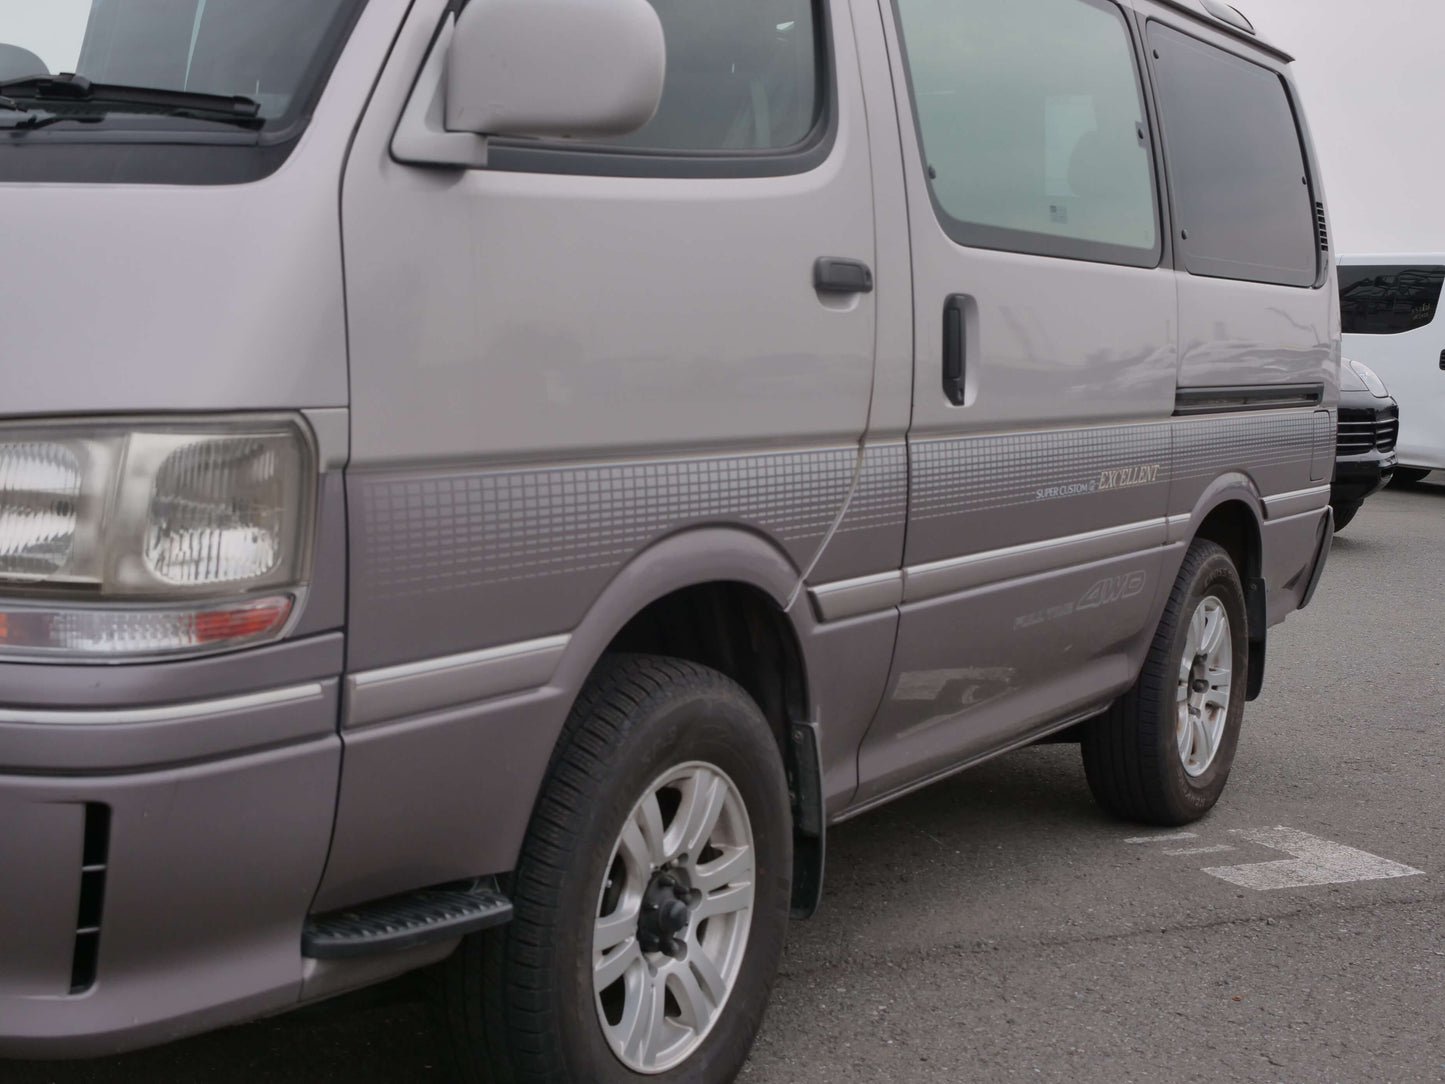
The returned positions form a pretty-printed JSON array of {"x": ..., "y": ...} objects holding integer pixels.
[{"x": 561, "y": 68}]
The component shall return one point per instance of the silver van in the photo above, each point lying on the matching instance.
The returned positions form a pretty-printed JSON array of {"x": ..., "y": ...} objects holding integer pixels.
[{"x": 487, "y": 484}]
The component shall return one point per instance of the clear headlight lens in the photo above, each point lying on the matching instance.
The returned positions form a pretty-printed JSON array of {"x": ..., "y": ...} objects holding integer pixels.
[
  {"x": 1371, "y": 378},
  {"x": 218, "y": 510},
  {"x": 106, "y": 527},
  {"x": 39, "y": 486}
]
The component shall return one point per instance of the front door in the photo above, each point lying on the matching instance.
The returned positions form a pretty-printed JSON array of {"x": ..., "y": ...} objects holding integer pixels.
[{"x": 565, "y": 356}]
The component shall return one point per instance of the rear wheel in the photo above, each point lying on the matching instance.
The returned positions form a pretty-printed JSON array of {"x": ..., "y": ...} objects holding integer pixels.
[
  {"x": 651, "y": 897},
  {"x": 1408, "y": 476},
  {"x": 1162, "y": 753}
]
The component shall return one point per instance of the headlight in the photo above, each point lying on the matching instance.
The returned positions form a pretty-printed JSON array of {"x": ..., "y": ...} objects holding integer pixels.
[
  {"x": 127, "y": 539},
  {"x": 1371, "y": 378}
]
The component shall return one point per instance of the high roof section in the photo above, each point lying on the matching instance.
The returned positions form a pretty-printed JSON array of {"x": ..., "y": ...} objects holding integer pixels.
[{"x": 1226, "y": 17}]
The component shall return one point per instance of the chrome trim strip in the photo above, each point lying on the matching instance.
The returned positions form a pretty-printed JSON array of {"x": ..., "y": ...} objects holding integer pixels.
[
  {"x": 375, "y": 696},
  {"x": 1282, "y": 505},
  {"x": 852, "y": 598},
  {"x": 165, "y": 713},
  {"x": 1178, "y": 528},
  {"x": 921, "y": 582}
]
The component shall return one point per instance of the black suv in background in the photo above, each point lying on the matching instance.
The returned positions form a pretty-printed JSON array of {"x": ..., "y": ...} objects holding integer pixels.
[{"x": 1365, "y": 451}]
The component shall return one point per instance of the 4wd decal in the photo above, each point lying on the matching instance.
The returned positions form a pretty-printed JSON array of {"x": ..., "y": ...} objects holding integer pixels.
[
  {"x": 1103, "y": 593},
  {"x": 1112, "y": 590}
]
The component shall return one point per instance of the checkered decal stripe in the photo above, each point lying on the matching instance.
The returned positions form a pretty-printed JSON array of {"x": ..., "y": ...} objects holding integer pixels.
[
  {"x": 989, "y": 473},
  {"x": 455, "y": 531}
]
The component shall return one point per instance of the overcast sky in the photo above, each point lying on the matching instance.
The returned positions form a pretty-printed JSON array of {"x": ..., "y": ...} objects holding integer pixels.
[
  {"x": 1373, "y": 81},
  {"x": 1371, "y": 73}
]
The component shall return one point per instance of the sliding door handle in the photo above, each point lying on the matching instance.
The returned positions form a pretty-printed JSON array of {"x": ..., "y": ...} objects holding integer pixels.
[
  {"x": 955, "y": 349},
  {"x": 833, "y": 275}
]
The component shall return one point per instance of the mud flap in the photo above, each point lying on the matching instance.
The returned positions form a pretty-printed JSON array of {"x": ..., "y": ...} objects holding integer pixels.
[
  {"x": 805, "y": 774},
  {"x": 1257, "y": 615},
  {"x": 1322, "y": 556}
]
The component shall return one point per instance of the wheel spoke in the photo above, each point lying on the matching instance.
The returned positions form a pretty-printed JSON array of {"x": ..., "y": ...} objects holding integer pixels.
[
  {"x": 1184, "y": 732},
  {"x": 1216, "y": 625},
  {"x": 613, "y": 930},
  {"x": 1203, "y": 746},
  {"x": 724, "y": 902},
  {"x": 1218, "y": 699},
  {"x": 612, "y": 967},
  {"x": 708, "y": 975},
  {"x": 720, "y": 872},
  {"x": 642, "y": 1019},
  {"x": 635, "y": 851},
  {"x": 649, "y": 823},
  {"x": 696, "y": 1005},
  {"x": 1196, "y": 635},
  {"x": 702, "y": 804}
]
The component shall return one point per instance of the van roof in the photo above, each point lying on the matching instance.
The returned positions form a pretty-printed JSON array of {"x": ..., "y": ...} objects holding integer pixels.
[{"x": 1228, "y": 18}]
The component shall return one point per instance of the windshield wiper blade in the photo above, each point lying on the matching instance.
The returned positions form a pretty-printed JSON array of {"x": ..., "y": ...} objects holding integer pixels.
[{"x": 76, "y": 97}]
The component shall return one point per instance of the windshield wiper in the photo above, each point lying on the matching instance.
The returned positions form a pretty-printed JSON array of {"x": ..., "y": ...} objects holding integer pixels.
[{"x": 74, "y": 97}]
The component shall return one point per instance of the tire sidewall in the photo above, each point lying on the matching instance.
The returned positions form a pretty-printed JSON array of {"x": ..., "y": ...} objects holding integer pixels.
[
  {"x": 729, "y": 733},
  {"x": 1192, "y": 796}
]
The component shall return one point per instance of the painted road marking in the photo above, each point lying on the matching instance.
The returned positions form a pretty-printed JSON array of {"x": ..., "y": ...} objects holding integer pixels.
[
  {"x": 1316, "y": 862},
  {"x": 1202, "y": 850},
  {"x": 1168, "y": 837}
]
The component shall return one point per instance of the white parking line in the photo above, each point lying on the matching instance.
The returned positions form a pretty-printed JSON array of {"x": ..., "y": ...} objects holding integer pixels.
[
  {"x": 1316, "y": 862},
  {"x": 1202, "y": 850},
  {"x": 1167, "y": 837}
]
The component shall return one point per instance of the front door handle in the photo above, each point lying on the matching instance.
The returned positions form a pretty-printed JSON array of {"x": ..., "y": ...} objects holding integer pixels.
[{"x": 834, "y": 275}]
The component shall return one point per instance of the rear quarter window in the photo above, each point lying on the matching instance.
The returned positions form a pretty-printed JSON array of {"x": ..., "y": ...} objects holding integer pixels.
[{"x": 1236, "y": 163}]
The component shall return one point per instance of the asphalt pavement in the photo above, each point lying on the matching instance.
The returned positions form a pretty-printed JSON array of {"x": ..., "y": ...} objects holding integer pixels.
[{"x": 998, "y": 927}]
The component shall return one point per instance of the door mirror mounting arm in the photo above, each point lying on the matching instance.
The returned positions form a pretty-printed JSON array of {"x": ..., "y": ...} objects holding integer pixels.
[{"x": 421, "y": 137}]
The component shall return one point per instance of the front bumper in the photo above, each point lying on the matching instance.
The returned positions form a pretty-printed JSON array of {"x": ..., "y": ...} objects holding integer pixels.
[
  {"x": 1361, "y": 476},
  {"x": 157, "y": 863}
]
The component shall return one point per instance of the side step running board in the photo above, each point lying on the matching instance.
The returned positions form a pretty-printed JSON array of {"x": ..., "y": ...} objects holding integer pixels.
[{"x": 402, "y": 922}]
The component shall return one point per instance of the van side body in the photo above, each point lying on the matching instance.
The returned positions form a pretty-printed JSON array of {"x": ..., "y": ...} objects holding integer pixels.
[{"x": 588, "y": 399}]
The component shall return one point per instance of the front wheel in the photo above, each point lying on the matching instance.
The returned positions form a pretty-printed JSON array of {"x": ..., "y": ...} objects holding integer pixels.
[
  {"x": 1162, "y": 754},
  {"x": 651, "y": 897}
]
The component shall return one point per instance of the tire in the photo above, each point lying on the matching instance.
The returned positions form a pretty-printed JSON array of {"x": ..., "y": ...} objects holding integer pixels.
[
  {"x": 1404, "y": 477},
  {"x": 1346, "y": 512},
  {"x": 1133, "y": 758},
  {"x": 520, "y": 1000}
]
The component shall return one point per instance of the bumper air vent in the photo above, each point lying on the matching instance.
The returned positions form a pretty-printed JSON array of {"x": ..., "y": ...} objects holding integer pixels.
[
  {"x": 1363, "y": 431},
  {"x": 95, "y": 859}
]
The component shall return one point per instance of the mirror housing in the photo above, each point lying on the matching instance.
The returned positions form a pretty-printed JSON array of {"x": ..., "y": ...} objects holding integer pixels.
[{"x": 559, "y": 68}]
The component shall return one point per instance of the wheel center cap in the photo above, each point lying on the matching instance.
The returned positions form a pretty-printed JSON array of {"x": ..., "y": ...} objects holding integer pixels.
[{"x": 665, "y": 915}]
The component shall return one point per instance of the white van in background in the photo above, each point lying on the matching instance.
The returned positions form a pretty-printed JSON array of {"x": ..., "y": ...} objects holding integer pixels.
[{"x": 1390, "y": 306}]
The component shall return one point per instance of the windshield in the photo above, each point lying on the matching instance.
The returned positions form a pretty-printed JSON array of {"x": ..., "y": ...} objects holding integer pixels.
[{"x": 271, "y": 51}]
